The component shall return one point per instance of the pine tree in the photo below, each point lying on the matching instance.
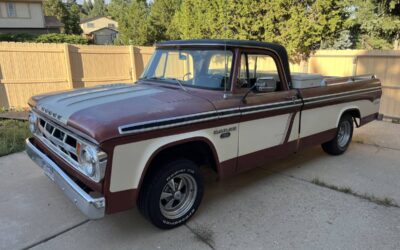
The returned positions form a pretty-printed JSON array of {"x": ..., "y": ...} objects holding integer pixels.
[
  {"x": 74, "y": 19},
  {"x": 133, "y": 27},
  {"x": 376, "y": 23},
  {"x": 86, "y": 7},
  {"x": 57, "y": 8},
  {"x": 160, "y": 17},
  {"x": 298, "y": 25},
  {"x": 118, "y": 8},
  {"x": 99, "y": 9}
]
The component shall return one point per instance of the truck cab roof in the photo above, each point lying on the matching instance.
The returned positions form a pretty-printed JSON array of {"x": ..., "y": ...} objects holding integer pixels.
[{"x": 275, "y": 48}]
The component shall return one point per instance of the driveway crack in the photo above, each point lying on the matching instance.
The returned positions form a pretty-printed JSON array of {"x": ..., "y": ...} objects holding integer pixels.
[
  {"x": 376, "y": 145},
  {"x": 201, "y": 237},
  {"x": 386, "y": 202},
  {"x": 55, "y": 235}
]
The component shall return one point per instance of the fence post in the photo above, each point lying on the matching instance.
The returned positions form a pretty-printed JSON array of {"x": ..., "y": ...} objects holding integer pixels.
[
  {"x": 133, "y": 63},
  {"x": 355, "y": 62},
  {"x": 68, "y": 69}
]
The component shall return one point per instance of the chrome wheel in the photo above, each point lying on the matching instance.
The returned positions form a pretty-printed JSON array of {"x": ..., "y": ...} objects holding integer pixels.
[
  {"x": 178, "y": 196},
  {"x": 344, "y": 134}
]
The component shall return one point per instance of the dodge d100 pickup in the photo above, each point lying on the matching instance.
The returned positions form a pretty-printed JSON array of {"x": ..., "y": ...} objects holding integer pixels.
[{"x": 223, "y": 104}]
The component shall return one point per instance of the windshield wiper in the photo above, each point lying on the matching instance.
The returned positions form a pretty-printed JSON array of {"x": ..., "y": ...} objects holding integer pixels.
[
  {"x": 166, "y": 79},
  {"x": 178, "y": 81}
]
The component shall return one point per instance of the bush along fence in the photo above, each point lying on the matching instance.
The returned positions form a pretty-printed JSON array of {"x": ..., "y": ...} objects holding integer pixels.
[{"x": 28, "y": 69}]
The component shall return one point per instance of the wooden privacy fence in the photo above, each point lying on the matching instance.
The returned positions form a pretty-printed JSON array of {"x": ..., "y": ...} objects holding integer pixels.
[{"x": 28, "y": 69}]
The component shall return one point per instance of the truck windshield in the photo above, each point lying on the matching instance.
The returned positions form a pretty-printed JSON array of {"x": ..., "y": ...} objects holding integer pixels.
[{"x": 202, "y": 68}]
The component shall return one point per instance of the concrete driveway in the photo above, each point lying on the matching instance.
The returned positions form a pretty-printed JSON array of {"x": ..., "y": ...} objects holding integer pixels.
[{"x": 308, "y": 201}]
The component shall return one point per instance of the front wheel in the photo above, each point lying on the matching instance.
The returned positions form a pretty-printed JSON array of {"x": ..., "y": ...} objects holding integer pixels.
[
  {"x": 339, "y": 144},
  {"x": 173, "y": 194}
]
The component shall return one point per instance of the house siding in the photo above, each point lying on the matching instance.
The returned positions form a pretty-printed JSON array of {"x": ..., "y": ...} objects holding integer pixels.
[
  {"x": 99, "y": 23},
  {"x": 29, "y": 15}
]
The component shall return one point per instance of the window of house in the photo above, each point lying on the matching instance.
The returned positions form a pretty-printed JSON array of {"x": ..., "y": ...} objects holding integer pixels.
[
  {"x": 111, "y": 25},
  {"x": 90, "y": 25},
  {"x": 11, "y": 10},
  {"x": 254, "y": 66}
]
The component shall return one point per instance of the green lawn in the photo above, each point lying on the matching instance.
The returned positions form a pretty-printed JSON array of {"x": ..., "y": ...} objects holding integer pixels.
[{"x": 12, "y": 136}]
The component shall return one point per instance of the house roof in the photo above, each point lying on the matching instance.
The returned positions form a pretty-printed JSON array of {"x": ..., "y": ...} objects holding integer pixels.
[
  {"x": 93, "y": 31},
  {"x": 85, "y": 20},
  {"x": 52, "y": 22}
]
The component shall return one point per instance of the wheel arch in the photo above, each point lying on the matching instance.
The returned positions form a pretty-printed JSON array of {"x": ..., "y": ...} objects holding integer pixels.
[
  {"x": 354, "y": 111},
  {"x": 182, "y": 147}
]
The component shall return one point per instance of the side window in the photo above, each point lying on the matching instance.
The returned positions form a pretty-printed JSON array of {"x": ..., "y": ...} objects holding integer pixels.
[
  {"x": 90, "y": 25},
  {"x": 220, "y": 64},
  {"x": 256, "y": 66},
  {"x": 11, "y": 10}
]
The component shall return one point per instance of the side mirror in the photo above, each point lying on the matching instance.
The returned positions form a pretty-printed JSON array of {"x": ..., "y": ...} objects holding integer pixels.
[{"x": 265, "y": 84}]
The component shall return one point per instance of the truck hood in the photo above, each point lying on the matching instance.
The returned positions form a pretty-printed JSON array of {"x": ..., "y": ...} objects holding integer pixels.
[{"x": 98, "y": 112}]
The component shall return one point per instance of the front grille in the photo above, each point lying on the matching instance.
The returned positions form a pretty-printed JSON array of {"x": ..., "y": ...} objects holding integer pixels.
[
  {"x": 59, "y": 139},
  {"x": 68, "y": 146}
]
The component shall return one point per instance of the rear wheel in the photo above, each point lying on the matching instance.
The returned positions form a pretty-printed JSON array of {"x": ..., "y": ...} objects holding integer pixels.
[
  {"x": 339, "y": 144},
  {"x": 173, "y": 194}
]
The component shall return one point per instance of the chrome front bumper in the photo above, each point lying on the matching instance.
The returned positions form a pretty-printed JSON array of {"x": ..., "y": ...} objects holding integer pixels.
[{"x": 93, "y": 208}]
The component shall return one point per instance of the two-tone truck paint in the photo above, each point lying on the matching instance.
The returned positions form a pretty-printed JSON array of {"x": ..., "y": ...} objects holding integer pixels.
[{"x": 230, "y": 105}]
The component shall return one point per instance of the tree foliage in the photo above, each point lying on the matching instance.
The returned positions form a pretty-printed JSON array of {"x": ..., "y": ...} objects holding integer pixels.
[
  {"x": 376, "y": 23},
  {"x": 87, "y": 7},
  {"x": 299, "y": 25},
  {"x": 133, "y": 26},
  {"x": 118, "y": 8},
  {"x": 99, "y": 9},
  {"x": 160, "y": 17},
  {"x": 68, "y": 14}
]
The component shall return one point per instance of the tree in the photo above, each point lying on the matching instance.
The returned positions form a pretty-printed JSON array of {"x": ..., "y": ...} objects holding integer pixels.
[
  {"x": 74, "y": 20},
  {"x": 298, "y": 25},
  {"x": 133, "y": 27},
  {"x": 99, "y": 9},
  {"x": 118, "y": 8},
  {"x": 376, "y": 23},
  {"x": 56, "y": 8},
  {"x": 160, "y": 17},
  {"x": 67, "y": 13},
  {"x": 87, "y": 7}
]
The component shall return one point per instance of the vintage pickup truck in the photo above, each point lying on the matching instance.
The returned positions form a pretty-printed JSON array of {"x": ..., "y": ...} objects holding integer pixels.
[{"x": 224, "y": 104}]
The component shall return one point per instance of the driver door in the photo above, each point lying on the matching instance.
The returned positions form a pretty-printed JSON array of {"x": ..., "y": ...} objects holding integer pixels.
[{"x": 269, "y": 121}]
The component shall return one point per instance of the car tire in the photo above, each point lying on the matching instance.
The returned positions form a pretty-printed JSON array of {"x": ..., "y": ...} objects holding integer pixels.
[
  {"x": 339, "y": 144},
  {"x": 172, "y": 194}
]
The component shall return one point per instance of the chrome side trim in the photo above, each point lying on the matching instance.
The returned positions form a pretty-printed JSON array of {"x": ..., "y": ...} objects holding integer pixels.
[
  {"x": 224, "y": 113},
  {"x": 201, "y": 117},
  {"x": 93, "y": 208},
  {"x": 342, "y": 93},
  {"x": 334, "y": 98}
]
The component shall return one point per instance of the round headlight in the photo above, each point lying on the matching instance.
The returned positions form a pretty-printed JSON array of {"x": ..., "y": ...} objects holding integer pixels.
[
  {"x": 32, "y": 122},
  {"x": 90, "y": 170},
  {"x": 89, "y": 160}
]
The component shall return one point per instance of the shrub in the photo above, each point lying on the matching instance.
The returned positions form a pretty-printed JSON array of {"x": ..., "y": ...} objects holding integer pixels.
[
  {"x": 45, "y": 38},
  {"x": 61, "y": 38},
  {"x": 12, "y": 136},
  {"x": 20, "y": 37}
]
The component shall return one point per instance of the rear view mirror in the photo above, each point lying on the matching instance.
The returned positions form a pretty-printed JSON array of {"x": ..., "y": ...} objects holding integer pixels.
[
  {"x": 182, "y": 56},
  {"x": 265, "y": 84}
]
